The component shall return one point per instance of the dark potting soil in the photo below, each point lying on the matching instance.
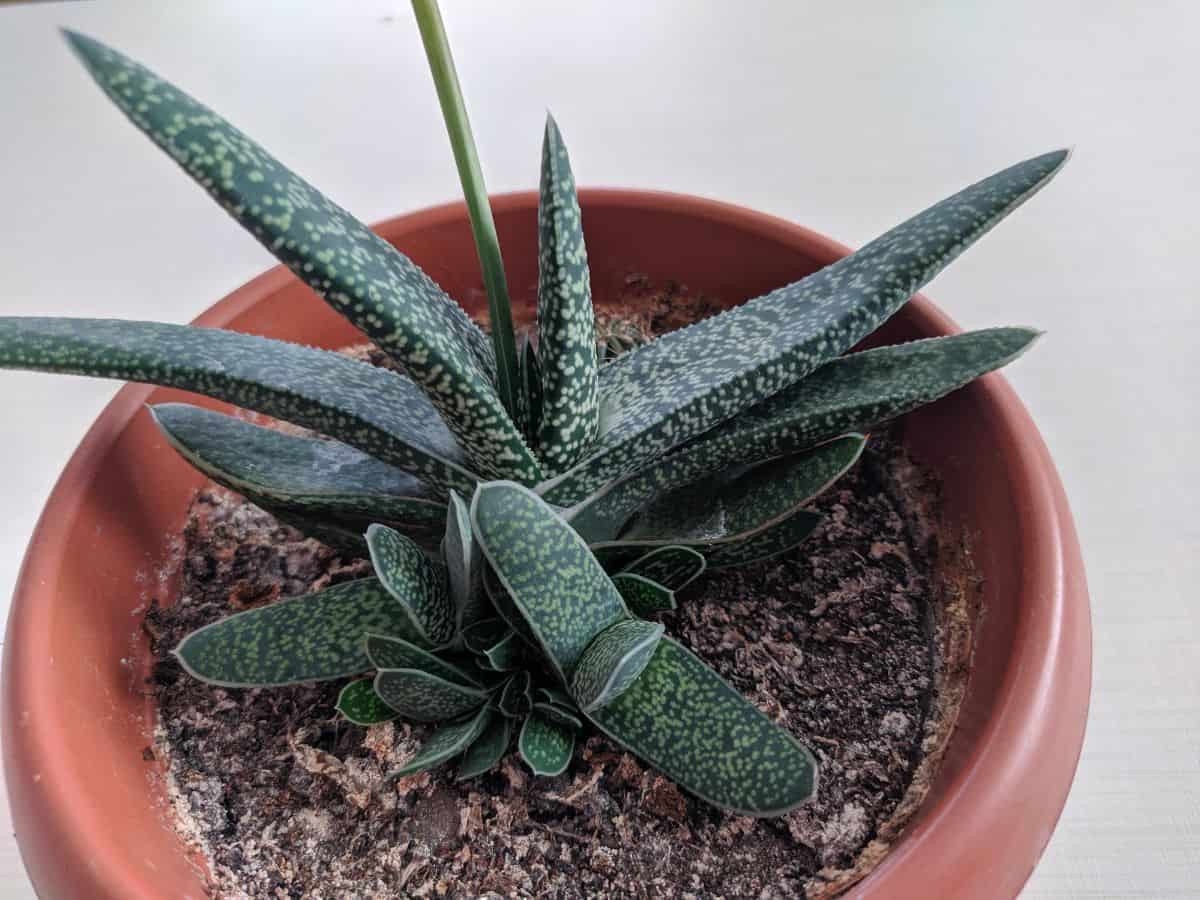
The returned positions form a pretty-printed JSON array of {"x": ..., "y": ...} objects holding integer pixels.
[{"x": 832, "y": 641}]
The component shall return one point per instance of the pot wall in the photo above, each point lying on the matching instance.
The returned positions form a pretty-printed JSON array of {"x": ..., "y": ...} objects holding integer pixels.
[{"x": 89, "y": 809}]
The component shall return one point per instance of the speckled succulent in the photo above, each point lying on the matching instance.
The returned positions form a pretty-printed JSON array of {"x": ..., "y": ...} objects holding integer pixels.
[{"x": 603, "y": 478}]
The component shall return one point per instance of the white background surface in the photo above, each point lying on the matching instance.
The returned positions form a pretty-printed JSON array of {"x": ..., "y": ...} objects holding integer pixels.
[{"x": 844, "y": 116}]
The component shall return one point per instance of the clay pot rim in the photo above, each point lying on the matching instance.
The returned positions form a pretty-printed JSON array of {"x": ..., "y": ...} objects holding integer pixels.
[{"x": 966, "y": 807}]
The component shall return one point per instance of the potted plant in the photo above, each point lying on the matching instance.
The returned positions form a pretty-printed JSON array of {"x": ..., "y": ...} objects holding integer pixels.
[{"x": 534, "y": 512}]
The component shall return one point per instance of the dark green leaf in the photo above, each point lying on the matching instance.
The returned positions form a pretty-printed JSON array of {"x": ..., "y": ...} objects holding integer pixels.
[
  {"x": 358, "y": 273},
  {"x": 487, "y": 750},
  {"x": 506, "y": 654},
  {"x": 446, "y": 742},
  {"x": 685, "y": 382},
  {"x": 681, "y": 717},
  {"x": 531, "y": 382},
  {"x": 557, "y": 696},
  {"x": 394, "y": 653},
  {"x": 415, "y": 580},
  {"x": 359, "y": 703},
  {"x": 613, "y": 661},
  {"x": 672, "y": 567},
  {"x": 503, "y": 603},
  {"x": 378, "y": 412},
  {"x": 546, "y": 745},
  {"x": 566, "y": 323},
  {"x": 561, "y": 715},
  {"x": 483, "y": 634},
  {"x": 311, "y": 638},
  {"x": 464, "y": 566},
  {"x": 559, "y": 587},
  {"x": 644, "y": 597},
  {"x": 516, "y": 697},
  {"x": 423, "y": 697},
  {"x": 778, "y": 537}
]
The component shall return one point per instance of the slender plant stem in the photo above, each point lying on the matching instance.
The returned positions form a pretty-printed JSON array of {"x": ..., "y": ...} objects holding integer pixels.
[{"x": 445, "y": 79}]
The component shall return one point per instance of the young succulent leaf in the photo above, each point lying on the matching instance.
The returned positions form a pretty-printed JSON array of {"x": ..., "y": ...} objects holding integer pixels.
[
  {"x": 560, "y": 714},
  {"x": 481, "y": 635},
  {"x": 378, "y": 412},
  {"x": 464, "y": 566},
  {"x": 506, "y": 654},
  {"x": 672, "y": 567},
  {"x": 503, "y": 603},
  {"x": 424, "y": 697},
  {"x": 487, "y": 750},
  {"x": 531, "y": 383},
  {"x": 479, "y": 208},
  {"x": 570, "y": 417},
  {"x": 516, "y": 697},
  {"x": 666, "y": 392},
  {"x": 418, "y": 583},
  {"x": 613, "y": 661},
  {"x": 359, "y": 703},
  {"x": 644, "y": 597},
  {"x": 308, "y": 476},
  {"x": 557, "y": 585},
  {"x": 395, "y": 653},
  {"x": 447, "y": 742},
  {"x": 379, "y": 289},
  {"x": 684, "y": 719},
  {"x": 776, "y": 538},
  {"x": 315, "y": 637},
  {"x": 557, "y": 696},
  {"x": 546, "y": 745}
]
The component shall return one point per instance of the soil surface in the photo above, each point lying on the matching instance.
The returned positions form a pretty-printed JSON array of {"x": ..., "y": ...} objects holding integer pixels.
[{"x": 832, "y": 641}]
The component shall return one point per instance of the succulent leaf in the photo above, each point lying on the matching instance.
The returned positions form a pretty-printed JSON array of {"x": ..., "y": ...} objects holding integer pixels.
[
  {"x": 378, "y": 288},
  {"x": 644, "y": 597},
  {"x": 516, "y": 697},
  {"x": 613, "y": 661},
  {"x": 308, "y": 477},
  {"x": 503, "y": 603},
  {"x": 487, "y": 750},
  {"x": 359, "y": 703},
  {"x": 546, "y": 745},
  {"x": 531, "y": 383},
  {"x": 395, "y": 653},
  {"x": 506, "y": 654},
  {"x": 683, "y": 718},
  {"x": 448, "y": 741},
  {"x": 566, "y": 322},
  {"x": 557, "y": 696},
  {"x": 310, "y": 638},
  {"x": 556, "y": 583},
  {"x": 672, "y": 567},
  {"x": 778, "y": 537},
  {"x": 481, "y": 635},
  {"x": 560, "y": 714},
  {"x": 418, "y": 583},
  {"x": 424, "y": 697},
  {"x": 663, "y": 393},
  {"x": 464, "y": 566},
  {"x": 378, "y": 412}
]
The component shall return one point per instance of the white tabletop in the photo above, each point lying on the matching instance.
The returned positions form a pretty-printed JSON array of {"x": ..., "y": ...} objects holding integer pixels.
[{"x": 846, "y": 117}]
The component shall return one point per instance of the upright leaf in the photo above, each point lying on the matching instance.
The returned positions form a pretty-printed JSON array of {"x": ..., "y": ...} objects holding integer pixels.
[
  {"x": 379, "y": 289},
  {"x": 531, "y": 381},
  {"x": 376, "y": 411},
  {"x": 663, "y": 393},
  {"x": 566, "y": 323},
  {"x": 559, "y": 587},
  {"x": 414, "y": 580},
  {"x": 311, "y": 638},
  {"x": 546, "y": 745},
  {"x": 613, "y": 661},
  {"x": 445, "y": 743},
  {"x": 424, "y": 697},
  {"x": 516, "y": 697},
  {"x": 683, "y": 718},
  {"x": 308, "y": 476},
  {"x": 464, "y": 566}
]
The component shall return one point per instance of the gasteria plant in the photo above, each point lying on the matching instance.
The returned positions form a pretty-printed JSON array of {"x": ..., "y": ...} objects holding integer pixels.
[{"x": 602, "y": 481}]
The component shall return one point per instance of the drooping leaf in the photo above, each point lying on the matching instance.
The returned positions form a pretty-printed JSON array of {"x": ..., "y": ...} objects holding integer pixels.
[
  {"x": 395, "y": 653},
  {"x": 684, "y": 719},
  {"x": 566, "y": 322},
  {"x": 613, "y": 661},
  {"x": 376, "y": 411},
  {"x": 771, "y": 540},
  {"x": 414, "y": 580},
  {"x": 379, "y": 289},
  {"x": 672, "y": 567},
  {"x": 559, "y": 714},
  {"x": 311, "y": 478},
  {"x": 506, "y": 654},
  {"x": 644, "y": 597},
  {"x": 516, "y": 697},
  {"x": 464, "y": 566},
  {"x": 663, "y": 393},
  {"x": 424, "y": 697},
  {"x": 546, "y": 745},
  {"x": 559, "y": 587},
  {"x": 448, "y": 741},
  {"x": 359, "y": 703},
  {"x": 310, "y": 638},
  {"x": 487, "y": 750}
]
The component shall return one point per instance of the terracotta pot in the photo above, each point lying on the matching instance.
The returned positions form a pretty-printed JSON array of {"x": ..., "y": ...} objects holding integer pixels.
[{"x": 89, "y": 809}]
